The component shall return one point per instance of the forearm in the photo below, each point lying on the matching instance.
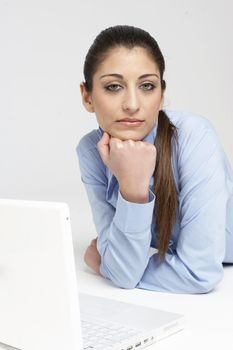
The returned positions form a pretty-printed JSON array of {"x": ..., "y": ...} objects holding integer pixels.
[
  {"x": 125, "y": 257},
  {"x": 125, "y": 245},
  {"x": 138, "y": 193},
  {"x": 173, "y": 276}
]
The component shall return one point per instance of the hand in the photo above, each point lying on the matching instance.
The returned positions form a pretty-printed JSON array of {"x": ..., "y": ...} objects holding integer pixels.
[
  {"x": 132, "y": 163},
  {"x": 92, "y": 257}
]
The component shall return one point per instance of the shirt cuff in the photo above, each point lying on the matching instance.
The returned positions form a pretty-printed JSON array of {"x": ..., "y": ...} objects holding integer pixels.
[{"x": 134, "y": 217}]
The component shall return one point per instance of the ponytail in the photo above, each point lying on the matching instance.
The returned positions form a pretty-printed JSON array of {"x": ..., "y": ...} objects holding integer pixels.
[{"x": 165, "y": 190}]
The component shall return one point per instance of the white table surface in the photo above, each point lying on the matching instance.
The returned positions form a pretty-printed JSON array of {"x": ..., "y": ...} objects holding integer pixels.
[{"x": 209, "y": 317}]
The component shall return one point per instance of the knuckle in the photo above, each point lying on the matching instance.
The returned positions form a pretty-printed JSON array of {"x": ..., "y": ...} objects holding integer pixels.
[
  {"x": 119, "y": 145},
  {"x": 130, "y": 142},
  {"x": 140, "y": 144},
  {"x": 152, "y": 148},
  {"x": 114, "y": 142}
]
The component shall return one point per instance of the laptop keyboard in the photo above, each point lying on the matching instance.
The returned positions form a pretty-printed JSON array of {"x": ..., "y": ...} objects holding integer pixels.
[{"x": 105, "y": 335}]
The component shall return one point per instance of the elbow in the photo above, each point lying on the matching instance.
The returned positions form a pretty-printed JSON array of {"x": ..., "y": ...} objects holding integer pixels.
[
  {"x": 120, "y": 278},
  {"x": 125, "y": 281},
  {"x": 204, "y": 288},
  {"x": 207, "y": 284},
  {"x": 127, "y": 284}
]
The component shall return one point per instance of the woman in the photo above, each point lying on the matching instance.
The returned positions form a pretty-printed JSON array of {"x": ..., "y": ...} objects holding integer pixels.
[{"x": 154, "y": 177}]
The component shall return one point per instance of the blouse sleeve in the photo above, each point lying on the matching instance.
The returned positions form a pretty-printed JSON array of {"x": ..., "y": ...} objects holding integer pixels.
[
  {"x": 195, "y": 265},
  {"x": 124, "y": 232}
]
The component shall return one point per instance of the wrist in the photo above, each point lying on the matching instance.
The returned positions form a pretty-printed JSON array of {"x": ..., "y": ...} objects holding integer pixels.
[{"x": 135, "y": 196}]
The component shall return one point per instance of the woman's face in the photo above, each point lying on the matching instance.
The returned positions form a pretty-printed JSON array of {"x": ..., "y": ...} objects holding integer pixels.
[{"x": 122, "y": 91}]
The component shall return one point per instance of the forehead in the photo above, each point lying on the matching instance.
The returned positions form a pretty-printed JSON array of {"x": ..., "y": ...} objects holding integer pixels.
[{"x": 123, "y": 60}]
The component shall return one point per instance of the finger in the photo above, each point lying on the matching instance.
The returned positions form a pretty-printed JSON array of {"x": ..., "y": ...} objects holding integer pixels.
[
  {"x": 116, "y": 143},
  {"x": 103, "y": 147},
  {"x": 93, "y": 242},
  {"x": 131, "y": 143}
]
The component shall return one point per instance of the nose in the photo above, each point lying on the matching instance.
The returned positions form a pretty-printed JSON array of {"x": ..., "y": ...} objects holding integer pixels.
[{"x": 130, "y": 101}]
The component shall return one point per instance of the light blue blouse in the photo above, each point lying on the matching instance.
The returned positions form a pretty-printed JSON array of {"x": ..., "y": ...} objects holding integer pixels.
[{"x": 202, "y": 238}]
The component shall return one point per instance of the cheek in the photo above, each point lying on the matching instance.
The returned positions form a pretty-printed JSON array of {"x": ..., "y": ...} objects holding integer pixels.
[
  {"x": 107, "y": 111},
  {"x": 104, "y": 109},
  {"x": 152, "y": 109},
  {"x": 155, "y": 102}
]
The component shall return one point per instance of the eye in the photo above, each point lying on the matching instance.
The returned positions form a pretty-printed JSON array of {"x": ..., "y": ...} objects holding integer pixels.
[
  {"x": 148, "y": 84},
  {"x": 111, "y": 87},
  {"x": 116, "y": 87}
]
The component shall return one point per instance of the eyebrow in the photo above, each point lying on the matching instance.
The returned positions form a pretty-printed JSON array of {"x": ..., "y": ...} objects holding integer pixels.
[{"x": 121, "y": 76}]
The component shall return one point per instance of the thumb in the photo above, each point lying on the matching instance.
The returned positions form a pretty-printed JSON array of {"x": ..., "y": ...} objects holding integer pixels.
[{"x": 103, "y": 147}]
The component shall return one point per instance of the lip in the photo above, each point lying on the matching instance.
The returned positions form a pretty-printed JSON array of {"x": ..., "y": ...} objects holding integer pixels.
[{"x": 130, "y": 122}]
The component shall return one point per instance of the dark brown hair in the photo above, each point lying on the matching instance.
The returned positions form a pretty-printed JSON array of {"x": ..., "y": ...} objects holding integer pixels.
[{"x": 165, "y": 190}]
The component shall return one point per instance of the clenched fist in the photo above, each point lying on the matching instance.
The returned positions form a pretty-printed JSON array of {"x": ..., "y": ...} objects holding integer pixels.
[{"x": 132, "y": 163}]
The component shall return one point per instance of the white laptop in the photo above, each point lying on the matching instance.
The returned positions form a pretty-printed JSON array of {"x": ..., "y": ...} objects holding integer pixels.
[{"x": 39, "y": 300}]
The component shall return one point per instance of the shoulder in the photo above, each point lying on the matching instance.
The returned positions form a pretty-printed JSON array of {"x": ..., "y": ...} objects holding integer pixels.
[
  {"x": 192, "y": 129},
  {"x": 187, "y": 122},
  {"x": 90, "y": 162},
  {"x": 197, "y": 137},
  {"x": 88, "y": 143}
]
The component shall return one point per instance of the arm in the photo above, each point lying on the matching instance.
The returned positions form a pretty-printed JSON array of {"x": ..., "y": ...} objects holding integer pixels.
[
  {"x": 195, "y": 266},
  {"x": 124, "y": 232}
]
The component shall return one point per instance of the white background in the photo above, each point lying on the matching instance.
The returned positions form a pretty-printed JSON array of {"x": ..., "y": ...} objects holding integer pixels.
[{"x": 43, "y": 47}]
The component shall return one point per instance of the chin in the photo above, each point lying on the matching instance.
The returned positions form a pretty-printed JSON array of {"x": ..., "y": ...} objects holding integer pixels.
[{"x": 128, "y": 135}]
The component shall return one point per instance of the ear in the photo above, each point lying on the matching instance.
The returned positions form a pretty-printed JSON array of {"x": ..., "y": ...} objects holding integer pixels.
[
  {"x": 86, "y": 98},
  {"x": 161, "y": 102}
]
